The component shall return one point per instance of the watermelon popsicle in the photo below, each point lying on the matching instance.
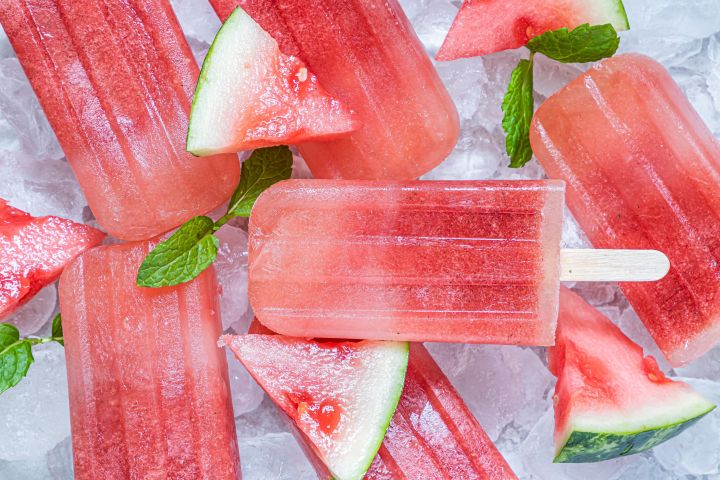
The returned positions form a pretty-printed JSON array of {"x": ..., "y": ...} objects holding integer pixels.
[
  {"x": 149, "y": 389},
  {"x": 367, "y": 55},
  {"x": 115, "y": 79},
  {"x": 471, "y": 261},
  {"x": 433, "y": 434},
  {"x": 420, "y": 261},
  {"x": 643, "y": 171}
]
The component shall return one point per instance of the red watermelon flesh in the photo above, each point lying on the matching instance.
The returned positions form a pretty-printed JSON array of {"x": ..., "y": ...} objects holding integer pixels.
[
  {"x": 250, "y": 95},
  {"x": 34, "y": 251},
  {"x": 340, "y": 395},
  {"x": 487, "y": 26},
  {"x": 610, "y": 399}
]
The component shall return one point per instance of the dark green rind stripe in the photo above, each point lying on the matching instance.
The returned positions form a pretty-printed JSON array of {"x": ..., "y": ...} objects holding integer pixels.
[{"x": 584, "y": 447}]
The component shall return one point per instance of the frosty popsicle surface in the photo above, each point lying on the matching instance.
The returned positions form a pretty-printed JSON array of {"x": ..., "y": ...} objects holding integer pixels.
[
  {"x": 115, "y": 79},
  {"x": 473, "y": 261},
  {"x": 433, "y": 434},
  {"x": 643, "y": 171},
  {"x": 149, "y": 388},
  {"x": 367, "y": 55}
]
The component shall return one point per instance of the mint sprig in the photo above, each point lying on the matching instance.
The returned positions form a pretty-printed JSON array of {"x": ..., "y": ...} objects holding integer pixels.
[
  {"x": 193, "y": 247},
  {"x": 16, "y": 353},
  {"x": 585, "y": 43},
  {"x": 518, "y": 105}
]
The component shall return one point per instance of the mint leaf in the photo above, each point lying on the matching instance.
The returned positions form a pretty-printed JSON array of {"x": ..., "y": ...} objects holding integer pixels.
[
  {"x": 182, "y": 257},
  {"x": 15, "y": 357},
  {"x": 583, "y": 44},
  {"x": 57, "y": 332},
  {"x": 518, "y": 105},
  {"x": 264, "y": 168}
]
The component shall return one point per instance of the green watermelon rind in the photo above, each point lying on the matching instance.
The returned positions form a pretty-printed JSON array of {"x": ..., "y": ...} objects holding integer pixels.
[
  {"x": 585, "y": 447},
  {"x": 618, "y": 15},
  {"x": 395, "y": 394},
  {"x": 201, "y": 83}
]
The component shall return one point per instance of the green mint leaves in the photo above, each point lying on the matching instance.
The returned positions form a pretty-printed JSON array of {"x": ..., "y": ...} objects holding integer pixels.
[
  {"x": 16, "y": 353},
  {"x": 193, "y": 247},
  {"x": 268, "y": 166},
  {"x": 182, "y": 257},
  {"x": 583, "y": 44},
  {"x": 518, "y": 106}
]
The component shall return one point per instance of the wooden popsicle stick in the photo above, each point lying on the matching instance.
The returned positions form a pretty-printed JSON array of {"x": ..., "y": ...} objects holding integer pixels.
[{"x": 597, "y": 265}]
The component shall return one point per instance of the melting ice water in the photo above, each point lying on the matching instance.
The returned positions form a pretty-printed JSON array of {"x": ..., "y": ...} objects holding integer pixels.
[{"x": 507, "y": 388}]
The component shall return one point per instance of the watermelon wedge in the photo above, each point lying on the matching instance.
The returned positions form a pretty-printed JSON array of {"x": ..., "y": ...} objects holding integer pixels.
[
  {"x": 34, "y": 251},
  {"x": 610, "y": 400},
  {"x": 488, "y": 26},
  {"x": 341, "y": 396},
  {"x": 250, "y": 95}
]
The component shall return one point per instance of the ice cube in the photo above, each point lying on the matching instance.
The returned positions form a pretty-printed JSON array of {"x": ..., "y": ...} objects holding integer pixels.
[
  {"x": 246, "y": 394},
  {"x": 275, "y": 456},
  {"x": 502, "y": 385},
  {"x": 35, "y": 414},
  {"x": 199, "y": 23},
  {"x": 60, "y": 461},
  {"x": 32, "y": 316},
  {"x": 232, "y": 272}
]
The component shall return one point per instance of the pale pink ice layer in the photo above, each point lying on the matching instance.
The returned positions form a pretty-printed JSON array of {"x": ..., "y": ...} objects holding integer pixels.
[
  {"x": 149, "y": 389},
  {"x": 473, "y": 261},
  {"x": 643, "y": 171},
  {"x": 367, "y": 55},
  {"x": 115, "y": 78}
]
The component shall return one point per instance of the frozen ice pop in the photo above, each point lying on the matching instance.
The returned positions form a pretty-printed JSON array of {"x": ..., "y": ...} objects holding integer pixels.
[
  {"x": 473, "y": 261},
  {"x": 115, "y": 79},
  {"x": 367, "y": 55},
  {"x": 643, "y": 171},
  {"x": 149, "y": 389},
  {"x": 433, "y": 434}
]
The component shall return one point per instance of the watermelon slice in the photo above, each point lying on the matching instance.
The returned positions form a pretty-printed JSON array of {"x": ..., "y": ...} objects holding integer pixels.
[
  {"x": 610, "y": 400},
  {"x": 487, "y": 26},
  {"x": 250, "y": 95},
  {"x": 341, "y": 396},
  {"x": 34, "y": 251}
]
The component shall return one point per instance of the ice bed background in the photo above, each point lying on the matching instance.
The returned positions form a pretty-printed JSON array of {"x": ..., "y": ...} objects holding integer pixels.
[{"x": 508, "y": 388}]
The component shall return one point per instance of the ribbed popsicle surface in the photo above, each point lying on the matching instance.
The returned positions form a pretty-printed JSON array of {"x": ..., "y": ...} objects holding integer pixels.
[
  {"x": 367, "y": 55},
  {"x": 643, "y": 171},
  {"x": 115, "y": 78},
  {"x": 149, "y": 389},
  {"x": 427, "y": 261},
  {"x": 433, "y": 435}
]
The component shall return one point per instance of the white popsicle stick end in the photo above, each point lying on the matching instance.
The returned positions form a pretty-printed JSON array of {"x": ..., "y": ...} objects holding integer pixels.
[{"x": 597, "y": 265}]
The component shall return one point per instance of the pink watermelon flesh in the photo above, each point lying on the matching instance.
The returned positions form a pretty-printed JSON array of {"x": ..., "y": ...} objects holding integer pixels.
[
  {"x": 330, "y": 390},
  {"x": 611, "y": 400},
  {"x": 34, "y": 251},
  {"x": 482, "y": 27},
  {"x": 250, "y": 95}
]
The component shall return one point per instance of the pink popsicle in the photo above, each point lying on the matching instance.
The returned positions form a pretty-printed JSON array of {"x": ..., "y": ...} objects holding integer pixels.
[
  {"x": 474, "y": 261},
  {"x": 149, "y": 389},
  {"x": 367, "y": 55},
  {"x": 433, "y": 434},
  {"x": 643, "y": 171},
  {"x": 115, "y": 79}
]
